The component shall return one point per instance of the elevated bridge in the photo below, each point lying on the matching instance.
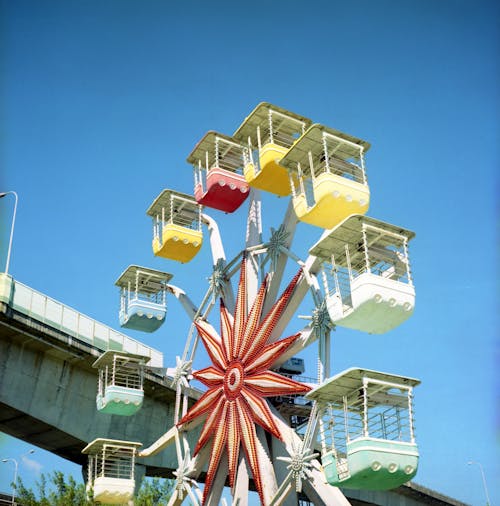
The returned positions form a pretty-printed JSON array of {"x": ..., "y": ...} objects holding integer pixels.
[{"x": 48, "y": 385}]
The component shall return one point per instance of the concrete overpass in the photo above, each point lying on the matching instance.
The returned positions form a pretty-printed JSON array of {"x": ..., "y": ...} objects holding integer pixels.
[{"x": 48, "y": 386}]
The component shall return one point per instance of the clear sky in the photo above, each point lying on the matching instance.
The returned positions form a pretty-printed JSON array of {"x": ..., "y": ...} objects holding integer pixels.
[{"x": 102, "y": 101}]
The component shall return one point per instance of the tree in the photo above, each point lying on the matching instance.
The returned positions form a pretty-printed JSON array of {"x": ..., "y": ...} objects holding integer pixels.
[
  {"x": 56, "y": 490},
  {"x": 61, "y": 493},
  {"x": 154, "y": 492}
]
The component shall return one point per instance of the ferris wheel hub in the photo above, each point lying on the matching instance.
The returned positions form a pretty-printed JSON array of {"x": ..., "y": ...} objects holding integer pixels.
[{"x": 234, "y": 380}]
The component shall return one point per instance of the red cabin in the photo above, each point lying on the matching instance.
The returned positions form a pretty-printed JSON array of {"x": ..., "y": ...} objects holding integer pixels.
[{"x": 218, "y": 172}]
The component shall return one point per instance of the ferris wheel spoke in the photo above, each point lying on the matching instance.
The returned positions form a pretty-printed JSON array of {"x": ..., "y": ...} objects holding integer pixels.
[
  {"x": 219, "y": 260},
  {"x": 300, "y": 291},
  {"x": 281, "y": 238},
  {"x": 194, "y": 313},
  {"x": 176, "y": 498},
  {"x": 240, "y": 489},
  {"x": 253, "y": 238},
  {"x": 284, "y": 489},
  {"x": 214, "y": 495},
  {"x": 185, "y": 301},
  {"x": 195, "y": 495},
  {"x": 215, "y": 238},
  {"x": 185, "y": 480}
]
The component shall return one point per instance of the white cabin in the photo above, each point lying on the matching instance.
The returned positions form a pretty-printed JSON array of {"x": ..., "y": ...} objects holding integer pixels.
[
  {"x": 111, "y": 470},
  {"x": 366, "y": 274}
]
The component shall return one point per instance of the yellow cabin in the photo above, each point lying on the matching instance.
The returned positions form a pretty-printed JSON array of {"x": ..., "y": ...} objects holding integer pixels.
[
  {"x": 177, "y": 231},
  {"x": 327, "y": 175},
  {"x": 268, "y": 132}
]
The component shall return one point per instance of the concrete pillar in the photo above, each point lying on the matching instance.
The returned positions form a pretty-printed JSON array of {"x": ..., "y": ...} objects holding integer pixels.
[{"x": 139, "y": 473}]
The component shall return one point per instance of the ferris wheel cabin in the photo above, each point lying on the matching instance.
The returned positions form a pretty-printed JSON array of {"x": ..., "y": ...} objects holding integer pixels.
[
  {"x": 328, "y": 176},
  {"x": 366, "y": 274},
  {"x": 143, "y": 298},
  {"x": 120, "y": 388},
  {"x": 366, "y": 429},
  {"x": 269, "y": 132},
  {"x": 219, "y": 182},
  {"x": 111, "y": 470},
  {"x": 177, "y": 231}
]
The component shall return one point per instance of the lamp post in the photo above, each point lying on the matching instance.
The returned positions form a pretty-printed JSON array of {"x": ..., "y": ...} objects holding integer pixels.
[
  {"x": 15, "y": 478},
  {"x": 484, "y": 480},
  {"x": 3, "y": 194},
  {"x": 14, "y": 483}
]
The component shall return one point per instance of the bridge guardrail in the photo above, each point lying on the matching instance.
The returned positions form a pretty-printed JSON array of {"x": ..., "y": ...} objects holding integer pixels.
[{"x": 42, "y": 308}]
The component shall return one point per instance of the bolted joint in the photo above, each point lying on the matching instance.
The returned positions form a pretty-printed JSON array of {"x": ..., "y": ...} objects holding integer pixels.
[
  {"x": 321, "y": 321},
  {"x": 277, "y": 242}
]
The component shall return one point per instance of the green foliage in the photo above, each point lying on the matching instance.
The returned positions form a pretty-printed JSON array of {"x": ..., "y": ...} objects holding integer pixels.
[
  {"x": 155, "y": 492},
  {"x": 57, "y": 490},
  {"x": 62, "y": 492}
]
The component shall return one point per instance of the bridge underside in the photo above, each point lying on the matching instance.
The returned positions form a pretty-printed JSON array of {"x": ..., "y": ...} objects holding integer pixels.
[
  {"x": 38, "y": 433},
  {"x": 47, "y": 395}
]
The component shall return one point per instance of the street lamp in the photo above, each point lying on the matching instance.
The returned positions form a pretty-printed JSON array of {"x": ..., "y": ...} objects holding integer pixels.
[
  {"x": 14, "y": 483},
  {"x": 484, "y": 480},
  {"x": 15, "y": 478},
  {"x": 3, "y": 194}
]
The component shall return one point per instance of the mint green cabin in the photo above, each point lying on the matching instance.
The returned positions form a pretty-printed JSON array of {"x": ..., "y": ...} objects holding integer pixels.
[
  {"x": 120, "y": 387},
  {"x": 366, "y": 429}
]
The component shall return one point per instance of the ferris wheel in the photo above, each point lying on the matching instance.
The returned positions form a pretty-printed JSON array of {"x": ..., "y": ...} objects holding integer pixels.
[{"x": 261, "y": 426}]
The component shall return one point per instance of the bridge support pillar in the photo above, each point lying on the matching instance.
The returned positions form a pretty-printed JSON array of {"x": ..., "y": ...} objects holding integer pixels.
[{"x": 139, "y": 473}]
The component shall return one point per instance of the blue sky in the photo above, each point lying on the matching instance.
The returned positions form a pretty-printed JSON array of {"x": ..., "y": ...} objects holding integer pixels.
[{"x": 103, "y": 100}]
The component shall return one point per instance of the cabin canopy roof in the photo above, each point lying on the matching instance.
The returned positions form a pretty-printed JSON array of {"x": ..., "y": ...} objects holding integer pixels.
[
  {"x": 107, "y": 358},
  {"x": 312, "y": 141},
  {"x": 207, "y": 144},
  {"x": 97, "y": 444},
  {"x": 344, "y": 383},
  {"x": 259, "y": 117},
  {"x": 182, "y": 202},
  {"x": 349, "y": 232},
  {"x": 149, "y": 281}
]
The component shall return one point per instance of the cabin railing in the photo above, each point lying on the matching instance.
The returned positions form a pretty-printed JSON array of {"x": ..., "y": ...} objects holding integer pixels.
[
  {"x": 114, "y": 462},
  {"x": 338, "y": 282},
  {"x": 339, "y": 167}
]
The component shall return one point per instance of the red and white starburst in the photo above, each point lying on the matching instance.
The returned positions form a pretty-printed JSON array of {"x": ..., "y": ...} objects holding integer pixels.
[{"x": 239, "y": 379}]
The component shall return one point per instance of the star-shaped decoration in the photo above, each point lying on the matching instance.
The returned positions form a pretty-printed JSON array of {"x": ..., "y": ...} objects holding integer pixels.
[
  {"x": 321, "y": 321},
  {"x": 299, "y": 463},
  {"x": 277, "y": 243},
  {"x": 184, "y": 483},
  {"x": 218, "y": 278},
  {"x": 239, "y": 380},
  {"x": 181, "y": 373}
]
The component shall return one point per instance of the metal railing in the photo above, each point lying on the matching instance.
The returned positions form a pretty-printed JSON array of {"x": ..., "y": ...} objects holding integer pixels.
[
  {"x": 79, "y": 327},
  {"x": 112, "y": 462},
  {"x": 282, "y": 131},
  {"x": 339, "y": 167},
  {"x": 338, "y": 282},
  {"x": 158, "y": 299},
  {"x": 389, "y": 416},
  {"x": 228, "y": 156},
  {"x": 187, "y": 219},
  {"x": 392, "y": 424}
]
